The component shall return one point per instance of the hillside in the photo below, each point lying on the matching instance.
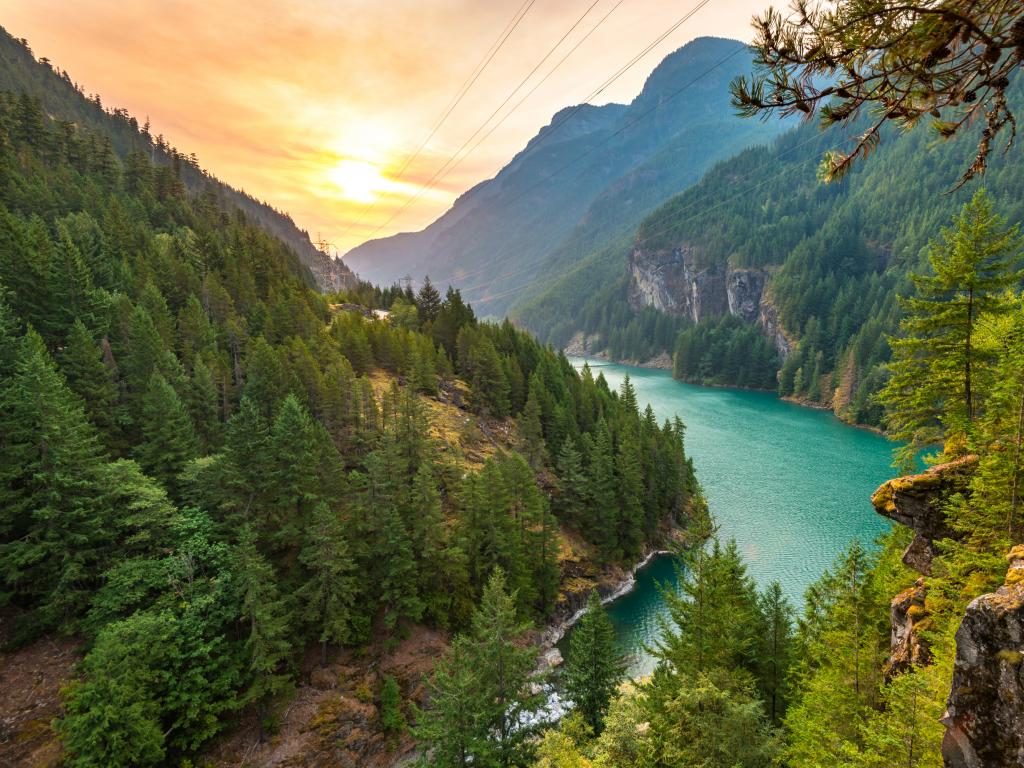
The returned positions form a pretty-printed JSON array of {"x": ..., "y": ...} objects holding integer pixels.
[
  {"x": 586, "y": 179},
  {"x": 815, "y": 268},
  {"x": 64, "y": 100},
  {"x": 214, "y": 479}
]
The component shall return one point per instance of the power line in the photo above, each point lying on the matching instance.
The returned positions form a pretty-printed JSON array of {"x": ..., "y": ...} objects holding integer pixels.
[
  {"x": 533, "y": 90},
  {"x": 676, "y": 221},
  {"x": 446, "y": 167},
  {"x": 608, "y": 138},
  {"x": 460, "y": 94},
  {"x": 600, "y": 89}
]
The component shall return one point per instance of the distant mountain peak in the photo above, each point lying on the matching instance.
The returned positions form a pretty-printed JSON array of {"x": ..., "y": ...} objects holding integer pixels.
[{"x": 536, "y": 214}]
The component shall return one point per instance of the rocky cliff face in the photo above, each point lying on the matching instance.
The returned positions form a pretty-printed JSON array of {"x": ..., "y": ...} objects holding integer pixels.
[
  {"x": 907, "y": 646},
  {"x": 984, "y": 716},
  {"x": 673, "y": 282},
  {"x": 768, "y": 319},
  {"x": 331, "y": 274},
  {"x": 743, "y": 290},
  {"x": 985, "y": 712}
]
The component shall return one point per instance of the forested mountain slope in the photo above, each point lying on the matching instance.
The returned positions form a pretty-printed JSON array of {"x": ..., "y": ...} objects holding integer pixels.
[
  {"x": 210, "y": 468},
  {"x": 761, "y": 243},
  {"x": 64, "y": 100},
  {"x": 902, "y": 654},
  {"x": 584, "y": 180}
]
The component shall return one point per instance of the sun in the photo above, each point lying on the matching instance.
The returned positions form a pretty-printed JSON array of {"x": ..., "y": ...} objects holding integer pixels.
[{"x": 358, "y": 181}]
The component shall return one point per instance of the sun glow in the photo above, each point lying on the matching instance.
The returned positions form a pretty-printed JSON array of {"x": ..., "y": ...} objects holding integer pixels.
[{"x": 358, "y": 181}]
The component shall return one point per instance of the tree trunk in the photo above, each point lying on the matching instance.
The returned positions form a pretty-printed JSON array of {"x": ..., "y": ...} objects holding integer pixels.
[
  {"x": 1015, "y": 486},
  {"x": 967, "y": 357}
]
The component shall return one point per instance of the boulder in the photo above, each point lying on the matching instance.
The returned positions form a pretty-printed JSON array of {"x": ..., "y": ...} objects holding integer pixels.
[
  {"x": 324, "y": 678},
  {"x": 917, "y": 501},
  {"x": 984, "y": 716}
]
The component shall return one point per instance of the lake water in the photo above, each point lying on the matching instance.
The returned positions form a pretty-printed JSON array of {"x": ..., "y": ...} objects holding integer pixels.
[{"x": 792, "y": 485}]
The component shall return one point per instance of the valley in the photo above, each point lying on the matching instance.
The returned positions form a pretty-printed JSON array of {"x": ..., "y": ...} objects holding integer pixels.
[
  {"x": 755, "y": 321},
  {"x": 791, "y": 485}
]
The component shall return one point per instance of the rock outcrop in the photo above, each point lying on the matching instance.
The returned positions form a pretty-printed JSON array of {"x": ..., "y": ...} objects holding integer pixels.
[
  {"x": 743, "y": 290},
  {"x": 907, "y": 647},
  {"x": 985, "y": 711},
  {"x": 678, "y": 283},
  {"x": 771, "y": 326},
  {"x": 917, "y": 501},
  {"x": 674, "y": 283}
]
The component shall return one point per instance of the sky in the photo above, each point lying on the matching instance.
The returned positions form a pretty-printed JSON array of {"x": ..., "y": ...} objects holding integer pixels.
[{"x": 319, "y": 106}]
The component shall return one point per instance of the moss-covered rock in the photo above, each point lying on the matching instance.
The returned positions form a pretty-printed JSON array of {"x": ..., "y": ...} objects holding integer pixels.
[
  {"x": 985, "y": 711},
  {"x": 918, "y": 502},
  {"x": 909, "y": 616}
]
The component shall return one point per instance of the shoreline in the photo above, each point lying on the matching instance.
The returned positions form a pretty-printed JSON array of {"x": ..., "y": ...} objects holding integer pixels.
[
  {"x": 649, "y": 365},
  {"x": 554, "y": 633}
]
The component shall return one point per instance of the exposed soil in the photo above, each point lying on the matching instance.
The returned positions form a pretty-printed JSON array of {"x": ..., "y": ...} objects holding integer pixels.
[
  {"x": 30, "y": 683},
  {"x": 334, "y": 718}
]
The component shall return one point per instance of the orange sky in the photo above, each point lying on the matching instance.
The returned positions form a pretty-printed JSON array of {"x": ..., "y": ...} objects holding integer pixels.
[{"x": 315, "y": 105}]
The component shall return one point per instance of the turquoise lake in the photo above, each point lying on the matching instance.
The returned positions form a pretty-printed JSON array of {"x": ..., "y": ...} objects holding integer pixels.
[{"x": 792, "y": 485}]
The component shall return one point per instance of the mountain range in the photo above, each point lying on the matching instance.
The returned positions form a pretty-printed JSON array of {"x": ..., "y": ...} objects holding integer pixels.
[
  {"x": 586, "y": 179},
  {"x": 63, "y": 99},
  {"x": 677, "y": 230}
]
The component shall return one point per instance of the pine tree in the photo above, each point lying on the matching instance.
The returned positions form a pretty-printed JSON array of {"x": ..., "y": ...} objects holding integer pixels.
[
  {"x": 532, "y": 433},
  {"x": 428, "y": 302},
  {"x": 455, "y": 727},
  {"x": 82, "y": 363},
  {"x": 265, "y": 614},
  {"x": 939, "y": 370},
  {"x": 330, "y": 591},
  {"x": 481, "y": 691},
  {"x": 842, "y": 638},
  {"x": 908, "y": 731},
  {"x": 630, "y": 491},
  {"x": 712, "y": 725},
  {"x": 72, "y": 295},
  {"x": 530, "y": 562},
  {"x": 50, "y": 519},
  {"x": 627, "y": 395},
  {"x": 168, "y": 437},
  {"x": 572, "y": 483},
  {"x": 506, "y": 667},
  {"x": 442, "y": 567},
  {"x": 595, "y": 667},
  {"x": 711, "y": 621},
  {"x": 153, "y": 302},
  {"x": 204, "y": 407},
  {"x": 391, "y": 718},
  {"x": 195, "y": 334},
  {"x": 997, "y": 487},
  {"x": 451, "y": 318},
  {"x": 293, "y": 485},
  {"x": 9, "y": 337},
  {"x": 488, "y": 384},
  {"x": 146, "y": 354},
  {"x": 603, "y": 525},
  {"x": 248, "y": 463},
  {"x": 399, "y": 583},
  {"x": 775, "y": 650}
]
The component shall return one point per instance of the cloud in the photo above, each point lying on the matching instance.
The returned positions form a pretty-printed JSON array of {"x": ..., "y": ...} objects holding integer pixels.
[{"x": 273, "y": 94}]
